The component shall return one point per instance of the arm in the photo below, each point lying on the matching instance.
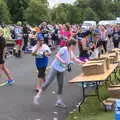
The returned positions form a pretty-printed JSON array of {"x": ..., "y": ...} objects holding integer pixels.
[
  {"x": 58, "y": 56},
  {"x": 78, "y": 61},
  {"x": 47, "y": 52},
  {"x": 75, "y": 59},
  {"x": 35, "y": 49}
]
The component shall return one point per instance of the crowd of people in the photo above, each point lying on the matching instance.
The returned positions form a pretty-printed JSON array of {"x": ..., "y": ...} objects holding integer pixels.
[{"x": 42, "y": 39}]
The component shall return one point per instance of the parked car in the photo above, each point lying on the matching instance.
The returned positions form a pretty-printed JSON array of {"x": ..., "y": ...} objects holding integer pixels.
[{"x": 88, "y": 24}]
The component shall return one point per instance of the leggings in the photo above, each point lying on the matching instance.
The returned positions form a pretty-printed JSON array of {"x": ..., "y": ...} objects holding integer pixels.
[
  {"x": 104, "y": 43},
  {"x": 25, "y": 42},
  {"x": 116, "y": 43},
  {"x": 60, "y": 79}
]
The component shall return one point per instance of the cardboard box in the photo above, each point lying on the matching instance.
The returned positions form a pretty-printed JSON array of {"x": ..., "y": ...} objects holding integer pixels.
[
  {"x": 116, "y": 50},
  {"x": 93, "y": 68},
  {"x": 113, "y": 57},
  {"x": 114, "y": 92},
  {"x": 118, "y": 85},
  {"x": 109, "y": 106},
  {"x": 107, "y": 61}
]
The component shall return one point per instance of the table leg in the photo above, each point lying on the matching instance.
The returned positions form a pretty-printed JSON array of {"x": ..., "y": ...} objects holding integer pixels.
[
  {"x": 98, "y": 95},
  {"x": 119, "y": 70},
  {"x": 116, "y": 77},
  {"x": 97, "y": 92},
  {"x": 111, "y": 79},
  {"x": 83, "y": 97},
  {"x": 115, "y": 72}
]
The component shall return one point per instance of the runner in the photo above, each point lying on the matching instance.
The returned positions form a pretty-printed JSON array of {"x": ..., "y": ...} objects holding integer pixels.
[
  {"x": 62, "y": 60},
  {"x": 3, "y": 67},
  {"x": 45, "y": 30},
  {"x": 83, "y": 44},
  {"x": 116, "y": 37},
  {"x": 19, "y": 39},
  {"x": 25, "y": 36},
  {"x": 41, "y": 52}
]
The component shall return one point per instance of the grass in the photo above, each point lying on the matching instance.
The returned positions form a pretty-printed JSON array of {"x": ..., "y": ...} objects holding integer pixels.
[{"x": 92, "y": 109}]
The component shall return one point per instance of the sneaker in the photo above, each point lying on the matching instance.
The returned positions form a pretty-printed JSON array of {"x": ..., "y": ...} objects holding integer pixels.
[
  {"x": 10, "y": 82},
  {"x": 60, "y": 104},
  {"x": 36, "y": 98}
]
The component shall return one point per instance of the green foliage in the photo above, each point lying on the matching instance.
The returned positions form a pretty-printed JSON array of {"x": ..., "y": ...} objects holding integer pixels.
[
  {"x": 86, "y": 10},
  {"x": 4, "y": 12},
  {"x": 89, "y": 14},
  {"x": 16, "y": 8},
  {"x": 37, "y": 12},
  {"x": 75, "y": 15},
  {"x": 60, "y": 13}
]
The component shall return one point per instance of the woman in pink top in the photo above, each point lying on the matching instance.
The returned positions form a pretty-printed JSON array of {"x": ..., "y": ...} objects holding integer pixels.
[
  {"x": 61, "y": 30},
  {"x": 65, "y": 34},
  {"x": 68, "y": 32}
]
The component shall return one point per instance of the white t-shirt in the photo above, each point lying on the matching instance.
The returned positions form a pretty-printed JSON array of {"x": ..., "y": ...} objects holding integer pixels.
[{"x": 40, "y": 52}]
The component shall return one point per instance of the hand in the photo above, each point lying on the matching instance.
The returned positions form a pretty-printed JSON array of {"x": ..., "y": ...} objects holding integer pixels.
[
  {"x": 46, "y": 53},
  {"x": 64, "y": 62},
  {"x": 81, "y": 62}
]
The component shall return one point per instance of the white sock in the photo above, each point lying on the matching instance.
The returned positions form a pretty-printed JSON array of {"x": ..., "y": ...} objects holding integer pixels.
[{"x": 39, "y": 93}]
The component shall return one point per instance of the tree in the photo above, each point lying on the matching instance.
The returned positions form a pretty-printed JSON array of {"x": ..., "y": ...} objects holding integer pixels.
[
  {"x": 60, "y": 13},
  {"x": 81, "y": 3},
  {"x": 37, "y": 12},
  {"x": 16, "y": 8},
  {"x": 89, "y": 14},
  {"x": 4, "y": 13},
  {"x": 75, "y": 15},
  {"x": 100, "y": 7}
]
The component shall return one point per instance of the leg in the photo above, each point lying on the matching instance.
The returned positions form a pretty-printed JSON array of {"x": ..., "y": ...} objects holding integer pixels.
[
  {"x": 60, "y": 79},
  {"x": 7, "y": 72},
  {"x": 83, "y": 97},
  {"x": 50, "y": 78},
  {"x": 19, "y": 46},
  {"x": 41, "y": 76},
  {"x": 45, "y": 85},
  {"x": 115, "y": 44},
  {"x": 25, "y": 42},
  {"x": 105, "y": 45}
]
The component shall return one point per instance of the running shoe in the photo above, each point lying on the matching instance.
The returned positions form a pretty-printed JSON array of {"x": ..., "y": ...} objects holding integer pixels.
[
  {"x": 35, "y": 100},
  {"x": 10, "y": 82},
  {"x": 60, "y": 104},
  {"x": 37, "y": 97}
]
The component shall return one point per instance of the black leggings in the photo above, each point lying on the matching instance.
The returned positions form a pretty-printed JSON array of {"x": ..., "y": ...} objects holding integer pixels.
[
  {"x": 104, "y": 43},
  {"x": 116, "y": 43},
  {"x": 41, "y": 72},
  {"x": 25, "y": 42}
]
